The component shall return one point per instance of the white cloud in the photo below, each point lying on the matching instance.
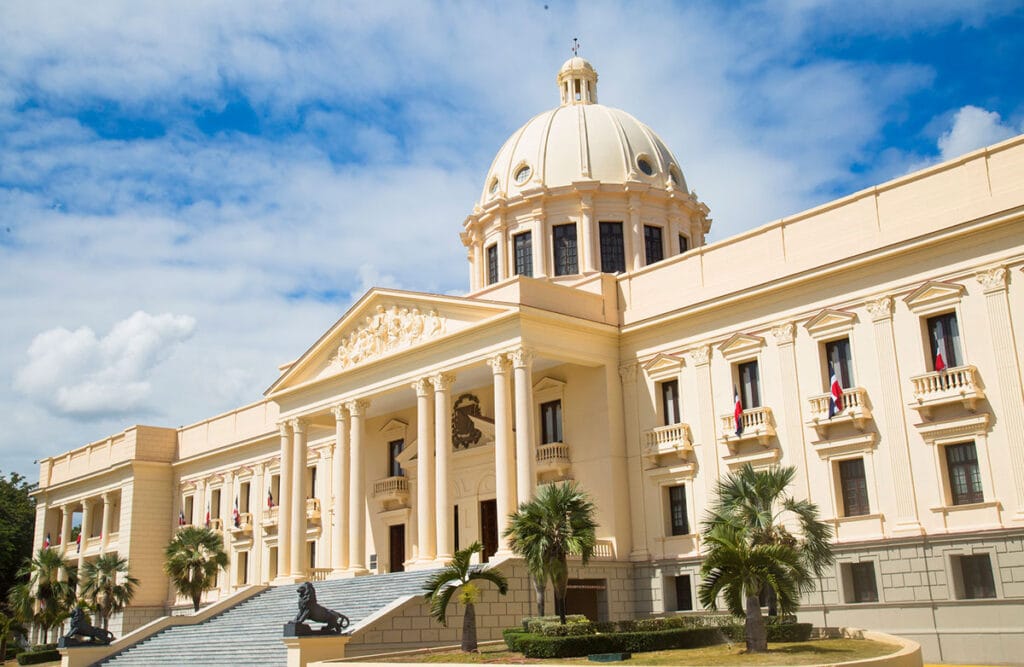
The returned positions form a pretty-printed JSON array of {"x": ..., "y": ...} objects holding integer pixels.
[
  {"x": 973, "y": 128},
  {"x": 76, "y": 373}
]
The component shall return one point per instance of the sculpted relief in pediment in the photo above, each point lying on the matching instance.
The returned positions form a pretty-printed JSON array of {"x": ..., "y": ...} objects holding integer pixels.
[{"x": 390, "y": 328}]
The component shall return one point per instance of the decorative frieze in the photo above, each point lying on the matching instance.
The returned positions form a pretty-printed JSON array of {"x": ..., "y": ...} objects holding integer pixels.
[{"x": 388, "y": 329}]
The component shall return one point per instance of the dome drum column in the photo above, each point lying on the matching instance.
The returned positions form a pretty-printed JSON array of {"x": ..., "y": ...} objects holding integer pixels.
[{"x": 586, "y": 234}]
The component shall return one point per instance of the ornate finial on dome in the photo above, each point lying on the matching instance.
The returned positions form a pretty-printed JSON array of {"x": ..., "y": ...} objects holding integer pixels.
[{"x": 577, "y": 80}]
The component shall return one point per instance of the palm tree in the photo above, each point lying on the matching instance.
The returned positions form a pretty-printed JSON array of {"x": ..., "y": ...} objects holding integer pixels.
[
  {"x": 47, "y": 592},
  {"x": 100, "y": 587},
  {"x": 192, "y": 560},
  {"x": 459, "y": 576},
  {"x": 10, "y": 629},
  {"x": 750, "y": 550},
  {"x": 558, "y": 521}
]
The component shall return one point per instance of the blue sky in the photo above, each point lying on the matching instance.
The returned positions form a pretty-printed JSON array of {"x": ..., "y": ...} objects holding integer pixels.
[{"x": 191, "y": 193}]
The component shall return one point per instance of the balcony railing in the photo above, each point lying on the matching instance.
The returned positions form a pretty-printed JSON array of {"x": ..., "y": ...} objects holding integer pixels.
[
  {"x": 318, "y": 573},
  {"x": 392, "y": 492},
  {"x": 959, "y": 384},
  {"x": 553, "y": 457},
  {"x": 603, "y": 550},
  {"x": 671, "y": 440},
  {"x": 244, "y": 524},
  {"x": 313, "y": 509},
  {"x": 216, "y": 525},
  {"x": 758, "y": 424},
  {"x": 270, "y": 517},
  {"x": 855, "y": 409}
]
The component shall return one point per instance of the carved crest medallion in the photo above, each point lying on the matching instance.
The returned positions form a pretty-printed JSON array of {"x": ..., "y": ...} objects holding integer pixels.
[{"x": 465, "y": 434}]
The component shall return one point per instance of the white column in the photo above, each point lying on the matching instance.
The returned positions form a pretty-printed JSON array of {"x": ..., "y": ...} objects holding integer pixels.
[
  {"x": 587, "y": 254},
  {"x": 105, "y": 534},
  {"x": 86, "y": 519},
  {"x": 65, "y": 527},
  {"x": 504, "y": 461},
  {"x": 297, "y": 543},
  {"x": 257, "y": 501},
  {"x": 284, "y": 503},
  {"x": 425, "y": 527},
  {"x": 357, "y": 490},
  {"x": 526, "y": 464},
  {"x": 634, "y": 236},
  {"x": 993, "y": 283},
  {"x": 339, "y": 480},
  {"x": 443, "y": 447},
  {"x": 227, "y": 506},
  {"x": 893, "y": 423}
]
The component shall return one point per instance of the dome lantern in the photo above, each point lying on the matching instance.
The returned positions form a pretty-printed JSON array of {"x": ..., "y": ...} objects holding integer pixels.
[{"x": 577, "y": 82}]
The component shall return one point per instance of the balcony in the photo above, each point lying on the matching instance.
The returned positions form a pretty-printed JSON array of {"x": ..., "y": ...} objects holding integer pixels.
[
  {"x": 392, "y": 492},
  {"x": 244, "y": 526},
  {"x": 673, "y": 440},
  {"x": 553, "y": 457},
  {"x": 960, "y": 384},
  {"x": 313, "y": 509},
  {"x": 758, "y": 424},
  {"x": 855, "y": 410},
  {"x": 216, "y": 525},
  {"x": 603, "y": 550},
  {"x": 270, "y": 518}
]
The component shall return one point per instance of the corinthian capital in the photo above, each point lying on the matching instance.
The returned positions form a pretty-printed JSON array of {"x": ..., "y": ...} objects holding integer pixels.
[
  {"x": 498, "y": 364},
  {"x": 357, "y": 408},
  {"x": 992, "y": 279},
  {"x": 421, "y": 387},
  {"x": 880, "y": 308},
  {"x": 521, "y": 357},
  {"x": 700, "y": 355},
  {"x": 783, "y": 333},
  {"x": 442, "y": 381},
  {"x": 339, "y": 413}
]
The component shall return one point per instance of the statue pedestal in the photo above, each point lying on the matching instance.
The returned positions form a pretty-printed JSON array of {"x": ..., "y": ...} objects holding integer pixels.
[
  {"x": 312, "y": 648},
  {"x": 82, "y": 656}
]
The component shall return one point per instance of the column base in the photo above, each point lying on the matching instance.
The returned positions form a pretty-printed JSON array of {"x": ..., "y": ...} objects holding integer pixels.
[
  {"x": 357, "y": 571},
  {"x": 907, "y": 528},
  {"x": 340, "y": 573}
]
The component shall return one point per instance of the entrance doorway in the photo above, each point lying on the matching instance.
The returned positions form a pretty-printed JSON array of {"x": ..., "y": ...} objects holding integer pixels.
[
  {"x": 396, "y": 548},
  {"x": 489, "y": 528},
  {"x": 588, "y": 597}
]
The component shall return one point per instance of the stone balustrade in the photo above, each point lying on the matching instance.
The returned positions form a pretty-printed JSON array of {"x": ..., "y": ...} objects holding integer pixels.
[
  {"x": 244, "y": 524},
  {"x": 313, "y": 509},
  {"x": 960, "y": 384},
  {"x": 855, "y": 409},
  {"x": 758, "y": 424},
  {"x": 670, "y": 440},
  {"x": 553, "y": 457}
]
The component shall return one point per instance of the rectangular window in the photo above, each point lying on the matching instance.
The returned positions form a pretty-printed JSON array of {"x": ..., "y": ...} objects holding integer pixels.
[
  {"x": 613, "y": 251},
  {"x": 861, "y": 583},
  {"x": 653, "y": 248},
  {"x": 976, "y": 580},
  {"x": 840, "y": 362},
  {"x": 524, "y": 253},
  {"x": 680, "y": 522},
  {"x": 684, "y": 594},
  {"x": 750, "y": 385},
  {"x": 455, "y": 526},
  {"x": 854, "y": 487},
  {"x": 964, "y": 475},
  {"x": 684, "y": 244},
  {"x": 189, "y": 509},
  {"x": 551, "y": 422},
  {"x": 670, "y": 402},
  {"x": 394, "y": 449},
  {"x": 566, "y": 256},
  {"x": 243, "y": 496},
  {"x": 944, "y": 337},
  {"x": 492, "y": 264},
  {"x": 275, "y": 491}
]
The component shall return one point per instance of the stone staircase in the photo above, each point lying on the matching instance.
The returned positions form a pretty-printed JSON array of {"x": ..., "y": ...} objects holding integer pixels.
[{"x": 250, "y": 633}]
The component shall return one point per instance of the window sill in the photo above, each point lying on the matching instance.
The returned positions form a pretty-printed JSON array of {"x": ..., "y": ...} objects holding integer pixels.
[
  {"x": 971, "y": 516},
  {"x": 966, "y": 507}
]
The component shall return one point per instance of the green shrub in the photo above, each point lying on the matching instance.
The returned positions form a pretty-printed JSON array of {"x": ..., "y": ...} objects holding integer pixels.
[
  {"x": 536, "y": 624},
  {"x": 785, "y": 630},
  {"x": 36, "y": 657},
  {"x": 512, "y": 637},
  {"x": 537, "y": 646}
]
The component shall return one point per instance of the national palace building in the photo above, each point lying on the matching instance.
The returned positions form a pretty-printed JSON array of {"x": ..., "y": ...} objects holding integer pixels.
[{"x": 603, "y": 340}]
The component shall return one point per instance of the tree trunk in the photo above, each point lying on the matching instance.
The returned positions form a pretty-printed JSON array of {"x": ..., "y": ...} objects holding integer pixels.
[
  {"x": 469, "y": 629},
  {"x": 196, "y": 599},
  {"x": 539, "y": 588},
  {"x": 756, "y": 633},
  {"x": 559, "y": 584}
]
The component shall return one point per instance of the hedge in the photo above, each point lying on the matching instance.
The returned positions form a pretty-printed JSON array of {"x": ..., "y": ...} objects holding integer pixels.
[
  {"x": 777, "y": 632},
  {"x": 538, "y": 646},
  {"x": 36, "y": 657}
]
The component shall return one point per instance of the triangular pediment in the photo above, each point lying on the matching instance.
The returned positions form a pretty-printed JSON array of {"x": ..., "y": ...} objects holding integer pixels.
[
  {"x": 382, "y": 324},
  {"x": 663, "y": 365},
  {"x": 933, "y": 296},
  {"x": 394, "y": 426},
  {"x": 740, "y": 346},
  {"x": 548, "y": 383},
  {"x": 829, "y": 323}
]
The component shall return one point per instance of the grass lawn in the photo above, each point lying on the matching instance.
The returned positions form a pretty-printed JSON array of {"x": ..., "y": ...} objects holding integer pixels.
[{"x": 794, "y": 653}]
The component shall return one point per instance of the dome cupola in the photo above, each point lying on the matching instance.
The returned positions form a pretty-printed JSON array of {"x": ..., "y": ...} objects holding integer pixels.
[{"x": 589, "y": 166}]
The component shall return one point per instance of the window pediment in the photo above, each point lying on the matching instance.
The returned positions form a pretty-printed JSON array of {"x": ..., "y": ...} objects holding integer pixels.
[
  {"x": 933, "y": 297},
  {"x": 741, "y": 346},
  {"x": 954, "y": 430},
  {"x": 830, "y": 323},
  {"x": 663, "y": 366},
  {"x": 394, "y": 427},
  {"x": 548, "y": 384}
]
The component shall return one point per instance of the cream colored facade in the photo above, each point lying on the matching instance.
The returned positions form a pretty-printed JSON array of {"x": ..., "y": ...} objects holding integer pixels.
[{"x": 466, "y": 384}]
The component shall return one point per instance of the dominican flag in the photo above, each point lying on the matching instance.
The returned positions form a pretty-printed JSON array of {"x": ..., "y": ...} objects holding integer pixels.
[
  {"x": 46, "y": 542},
  {"x": 940, "y": 363},
  {"x": 235, "y": 515},
  {"x": 270, "y": 500},
  {"x": 737, "y": 412},
  {"x": 181, "y": 517},
  {"x": 207, "y": 515},
  {"x": 835, "y": 399},
  {"x": 78, "y": 543}
]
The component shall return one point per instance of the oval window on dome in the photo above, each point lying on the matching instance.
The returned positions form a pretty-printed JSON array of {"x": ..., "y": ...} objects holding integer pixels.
[
  {"x": 493, "y": 189},
  {"x": 522, "y": 174},
  {"x": 645, "y": 165}
]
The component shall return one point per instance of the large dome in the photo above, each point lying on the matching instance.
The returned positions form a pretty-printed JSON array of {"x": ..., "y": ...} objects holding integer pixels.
[{"x": 580, "y": 140}]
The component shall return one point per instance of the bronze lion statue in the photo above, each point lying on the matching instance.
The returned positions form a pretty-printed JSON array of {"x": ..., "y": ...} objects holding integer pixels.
[
  {"x": 81, "y": 628},
  {"x": 310, "y": 610}
]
